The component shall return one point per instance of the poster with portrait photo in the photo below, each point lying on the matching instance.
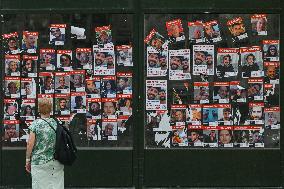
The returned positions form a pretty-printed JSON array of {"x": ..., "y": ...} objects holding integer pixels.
[
  {"x": 240, "y": 113},
  {"x": 77, "y": 81},
  {"x": 179, "y": 136},
  {"x": 47, "y": 59},
  {"x": 12, "y": 87},
  {"x": 104, "y": 60},
  {"x": 256, "y": 114},
  {"x": 255, "y": 89},
  {"x": 272, "y": 118},
  {"x": 225, "y": 136},
  {"x": 194, "y": 114},
  {"x": 195, "y": 136},
  {"x": 62, "y": 82},
  {"x": 124, "y": 104},
  {"x": 156, "y": 94},
  {"x": 181, "y": 93},
  {"x": 271, "y": 72},
  {"x": 124, "y": 55},
  {"x": 212, "y": 32},
  {"x": 30, "y": 42},
  {"x": 109, "y": 129},
  {"x": 201, "y": 92},
  {"x": 241, "y": 136},
  {"x": 272, "y": 138},
  {"x": 179, "y": 61},
  {"x": 12, "y": 65},
  {"x": 122, "y": 126},
  {"x": 28, "y": 88},
  {"x": 225, "y": 116},
  {"x": 109, "y": 108},
  {"x": 84, "y": 59},
  {"x": 24, "y": 130},
  {"x": 210, "y": 136},
  {"x": 210, "y": 114},
  {"x": 94, "y": 108},
  {"x": 227, "y": 62},
  {"x": 271, "y": 94},
  {"x": 57, "y": 34},
  {"x": 155, "y": 40},
  {"x": 178, "y": 115},
  {"x": 94, "y": 129},
  {"x": 108, "y": 87},
  {"x": 175, "y": 30},
  {"x": 29, "y": 66},
  {"x": 64, "y": 60},
  {"x": 28, "y": 109},
  {"x": 221, "y": 92},
  {"x": 203, "y": 59},
  {"x": 196, "y": 32},
  {"x": 251, "y": 61},
  {"x": 62, "y": 104},
  {"x": 238, "y": 93},
  {"x": 259, "y": 24},
  {"x": 256, "y": 136},
  {"x": 11, "y": 109},
  {"x": 78, "y": 102},
  {"x": 237, "y": 29},
  {"x": 11, "y": 131},
  {"x": 78, "y": 33},
  {"x": 157, "y": 62},
  {"x": 93, "y": 87},
  {"x": 103, "y": 36},
  {"x": 271, "y": 50},
  {"x": 11, "y": 43},
  {"x": 124, "y": 82},
  {"x": 154, "y": 121},
  {"x": 50, "y": 97},
  {"x": 46, "y": 83}
]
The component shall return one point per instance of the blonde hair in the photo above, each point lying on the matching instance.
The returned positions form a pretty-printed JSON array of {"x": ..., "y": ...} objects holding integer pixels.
[{"x": 44, "y": 105}]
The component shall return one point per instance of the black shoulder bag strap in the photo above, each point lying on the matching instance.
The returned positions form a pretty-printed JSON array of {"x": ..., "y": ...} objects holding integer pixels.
[{"x": 49, "y": 124}]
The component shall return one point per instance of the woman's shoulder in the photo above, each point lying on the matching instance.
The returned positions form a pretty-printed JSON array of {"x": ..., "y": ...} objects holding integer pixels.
[
  {"x": 40, "y": 120},
  {"x": 37, "y": 121}
]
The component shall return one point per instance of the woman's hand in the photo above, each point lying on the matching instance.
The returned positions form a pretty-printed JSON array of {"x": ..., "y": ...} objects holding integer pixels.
[{"x": 28, "y": 166}]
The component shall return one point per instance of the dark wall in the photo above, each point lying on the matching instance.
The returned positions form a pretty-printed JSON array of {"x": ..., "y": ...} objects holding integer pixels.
[{"x": 139, "y": 166}]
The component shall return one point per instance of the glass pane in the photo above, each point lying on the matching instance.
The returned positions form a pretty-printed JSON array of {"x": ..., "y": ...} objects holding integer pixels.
[
  {"x": 82, "y": 62},
  {"x": 212, "y": 81}
]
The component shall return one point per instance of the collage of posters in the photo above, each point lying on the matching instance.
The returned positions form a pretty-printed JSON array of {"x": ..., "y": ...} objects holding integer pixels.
[
  {"x": 210, "y": 81},
  {"x": 94, "y": 81},
  {"x": 214, "y": 88}
]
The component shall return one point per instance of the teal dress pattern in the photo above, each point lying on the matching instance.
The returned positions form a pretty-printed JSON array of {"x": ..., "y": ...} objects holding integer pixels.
[{"x": 44, "y": 141}]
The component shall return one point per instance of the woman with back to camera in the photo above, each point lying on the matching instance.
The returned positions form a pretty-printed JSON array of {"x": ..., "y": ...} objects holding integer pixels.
[{"x": 46, "y": 172}]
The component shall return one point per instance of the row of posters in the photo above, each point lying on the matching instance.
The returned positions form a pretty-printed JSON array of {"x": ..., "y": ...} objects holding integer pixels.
[
  {"x": 206, "y": 32},
  {"x": 229, "y": 63},
  {"x": 234, "y": 92},
  {"x": 57, "y": 37},
  {"x": 99, "y": 61}
]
